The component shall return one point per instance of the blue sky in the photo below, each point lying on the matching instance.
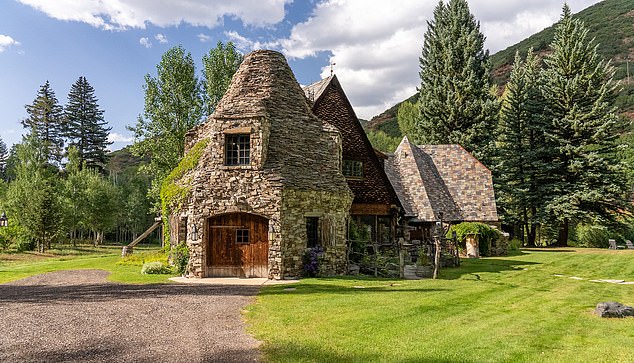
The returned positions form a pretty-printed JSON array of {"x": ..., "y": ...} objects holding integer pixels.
[{"x": 115, "y": 43}]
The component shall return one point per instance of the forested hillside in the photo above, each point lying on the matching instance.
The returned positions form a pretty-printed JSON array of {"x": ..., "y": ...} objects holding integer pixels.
[{"x": 611, "y": 23}]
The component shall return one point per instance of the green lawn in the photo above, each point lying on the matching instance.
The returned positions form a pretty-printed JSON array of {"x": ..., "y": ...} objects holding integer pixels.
[
  {"x": 14, "y": 266},
  {"x": 506, "y": 309}
]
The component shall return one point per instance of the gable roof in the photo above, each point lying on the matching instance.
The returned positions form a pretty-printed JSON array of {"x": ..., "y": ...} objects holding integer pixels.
[
  {"x": 430, "y": 179},
  {"x": 314, "y": 91},
  {"x": 330, "y": 103}
]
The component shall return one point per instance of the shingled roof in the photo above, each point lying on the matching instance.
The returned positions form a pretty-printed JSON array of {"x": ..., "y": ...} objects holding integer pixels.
[{"x": 430, "y": 179}]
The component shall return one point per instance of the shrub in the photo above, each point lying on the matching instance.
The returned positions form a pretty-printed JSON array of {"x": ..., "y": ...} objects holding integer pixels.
[
  {"x": 138, "y": 259},
  {"x": 515, "y": 244},
  {"x": 487, "y": 236},
  {"x": 592, "y": 236},
  {"x": 181, "y": 258},
  {"x": 155, "y": 267}
]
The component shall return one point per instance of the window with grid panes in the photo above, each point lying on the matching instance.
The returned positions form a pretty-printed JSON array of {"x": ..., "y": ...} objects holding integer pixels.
[
  {"x": 242, "y": 236},
  {"x": 353, "y": 168},
  {"x": 237, "y": 149}
]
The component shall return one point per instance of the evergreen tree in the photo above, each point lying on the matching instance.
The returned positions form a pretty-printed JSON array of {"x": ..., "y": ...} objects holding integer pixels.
[
  {"x": 4, "y": 155},
  {"x": 47, "y": 120},
  {"x": 85, "y": 126},
  {"x": 457, "y": 104},
  {"x": 219, "y": 65},
  {"x": 589, "y": 182},
  {"x": 173, "y": 105},
  {"x": 521, "y": 175}
]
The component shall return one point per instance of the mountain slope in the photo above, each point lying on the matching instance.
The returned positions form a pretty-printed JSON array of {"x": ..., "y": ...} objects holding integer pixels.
[{"x": 610, "y": 22}]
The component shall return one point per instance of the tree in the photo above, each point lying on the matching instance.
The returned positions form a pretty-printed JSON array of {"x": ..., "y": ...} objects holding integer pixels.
[
  {"x": 457, "y": 104},
  {"x": 589, "y": 181},
  {"x": 90, "y": 201},
  {"x": 32, "y": 199},
  {"x": 382, "y": 141},
  {"x": 85, "y": 125},
  {"x": 219, "y": 65},
  {"x": 46, "y": 118},
  {"x": 4, "y": 156},
  {"x": 407, "y": 116},
  {"x": 173, "y": 105},
  {"x": 521, "y": 175}
]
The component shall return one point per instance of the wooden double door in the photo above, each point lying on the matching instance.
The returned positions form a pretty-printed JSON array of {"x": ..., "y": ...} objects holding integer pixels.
[{"x": 238, "y": 245}]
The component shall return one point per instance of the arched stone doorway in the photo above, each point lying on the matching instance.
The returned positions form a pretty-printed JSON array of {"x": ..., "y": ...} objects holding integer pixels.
[{"x": 238, "y": 245}]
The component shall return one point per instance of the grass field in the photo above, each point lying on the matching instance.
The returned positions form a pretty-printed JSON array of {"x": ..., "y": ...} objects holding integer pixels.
[
  {"x": 506, "y": 309},
  {"x": 14, "y": 266}
]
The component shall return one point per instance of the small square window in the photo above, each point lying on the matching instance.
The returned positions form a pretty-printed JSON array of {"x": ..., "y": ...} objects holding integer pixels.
[
  {"x": 242, "y": 236},
  {"x": 312, "y": 232},
  {"x": 353, "y": 168},
  {"x": 237, "y": 149}
]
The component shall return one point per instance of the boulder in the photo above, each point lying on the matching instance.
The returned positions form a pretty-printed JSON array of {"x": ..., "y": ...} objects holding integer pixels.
[{"x": 613, "y": 309}]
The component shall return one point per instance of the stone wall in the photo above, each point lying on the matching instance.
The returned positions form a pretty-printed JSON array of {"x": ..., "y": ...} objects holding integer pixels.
[
  {"x": 332, "y": 212},
  {"x": 294, "y": 170}
]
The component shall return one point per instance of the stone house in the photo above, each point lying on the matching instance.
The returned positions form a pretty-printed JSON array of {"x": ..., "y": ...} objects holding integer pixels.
[
  {"x": 268, "y": 183},
  {"x": 278, "y": 169},
  {"x": 435, "y": 179},
  {"x": 376, "y": 205}
]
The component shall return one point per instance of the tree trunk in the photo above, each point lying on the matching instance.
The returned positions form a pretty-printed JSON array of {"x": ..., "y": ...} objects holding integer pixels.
[
  {"x": 531, "y": 235},
  {"x": 562, "y": 238}
]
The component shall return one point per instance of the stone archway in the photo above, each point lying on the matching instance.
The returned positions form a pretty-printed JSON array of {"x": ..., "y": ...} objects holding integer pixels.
[{"x": 237, "y": 245}]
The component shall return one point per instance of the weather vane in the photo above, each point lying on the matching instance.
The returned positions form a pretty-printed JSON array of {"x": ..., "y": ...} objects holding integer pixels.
[{"x": 332, "y": 69}]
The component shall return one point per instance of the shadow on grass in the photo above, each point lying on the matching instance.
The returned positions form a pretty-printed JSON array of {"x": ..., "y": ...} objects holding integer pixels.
[
  {"x": 476, "y": 266},
  {"x": 546, "y": 249},
  {"x": 336, "y": 288}
]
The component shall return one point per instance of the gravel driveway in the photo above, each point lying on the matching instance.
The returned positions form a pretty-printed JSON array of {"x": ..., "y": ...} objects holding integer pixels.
[{"x": 78, "y": 316}]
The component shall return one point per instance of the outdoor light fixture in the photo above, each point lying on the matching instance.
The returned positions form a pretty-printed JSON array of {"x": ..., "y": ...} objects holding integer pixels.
[
  {"x": 4, "y": 221},
  {"x": 194, "y": 234}
]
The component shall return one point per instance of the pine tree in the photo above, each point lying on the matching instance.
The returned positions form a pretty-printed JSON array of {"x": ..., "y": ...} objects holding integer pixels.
[
  {"x": 520, "y": 174},
  {"x": 219, "y": 65},
  {"x": 85, "y": 126},
  {"x": 46, "y": 118},
  {"x": 456, "y": 101},
  {"x": 579, "y": 89}
]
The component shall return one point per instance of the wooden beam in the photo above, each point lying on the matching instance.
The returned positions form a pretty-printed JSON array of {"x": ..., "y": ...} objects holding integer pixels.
[{"x": 146, "y": 233}]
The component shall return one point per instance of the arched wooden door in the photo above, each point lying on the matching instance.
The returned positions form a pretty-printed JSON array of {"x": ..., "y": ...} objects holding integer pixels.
[{"x": 238, "y": 245}]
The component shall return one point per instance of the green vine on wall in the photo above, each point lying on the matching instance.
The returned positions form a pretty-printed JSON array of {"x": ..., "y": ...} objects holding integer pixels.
[{"x": 175, "y": 190}]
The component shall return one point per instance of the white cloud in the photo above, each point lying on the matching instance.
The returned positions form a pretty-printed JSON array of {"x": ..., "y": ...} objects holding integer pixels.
[
  {"x": 145, "y": 41},
  {"x": 6, "y": 41},
  {"x": 124, "y": 14},
  {"x": 161, "y": 38},
  {"x": 204, "y": 38},
  {"x": 247, "y": 45},
  {"x": 376, "y": 47},
  {"x": 117, "y": 137}
]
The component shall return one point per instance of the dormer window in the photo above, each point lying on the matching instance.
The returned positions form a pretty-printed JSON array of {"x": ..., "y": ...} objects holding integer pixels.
[
  {"x": 237, "y": 149},
  {"x": 353, "y": 169}
]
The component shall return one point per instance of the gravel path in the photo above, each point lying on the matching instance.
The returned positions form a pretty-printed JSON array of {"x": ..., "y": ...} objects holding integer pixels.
[{"x": 78, "y": 316}]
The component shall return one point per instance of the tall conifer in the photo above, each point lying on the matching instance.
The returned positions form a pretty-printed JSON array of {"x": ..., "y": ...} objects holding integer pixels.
[
  {"x": 578, "y": 87},
  {"x": 456, "y": 101},
  {"x": 521, "y": 175},
  {"x": 85, "y": 125},
  {"x": 46, "y": 120}
]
